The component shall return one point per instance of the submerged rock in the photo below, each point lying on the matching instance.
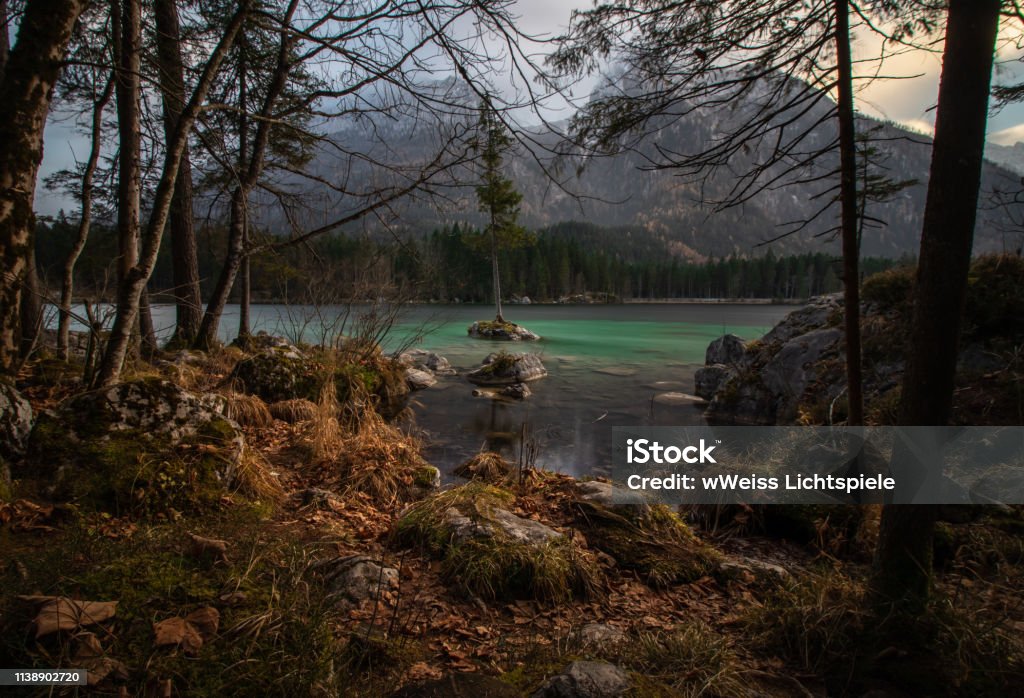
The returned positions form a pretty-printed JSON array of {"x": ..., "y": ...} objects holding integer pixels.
[
  {"x": 419, "y": 380},
  {"x": 677, "y": 399},
  {"x": 15, "y": 422},
  {"x": 504, "y": 368},
  {"x": 427, "y": 361},
  {"x": 584, "y": 679},
  {"x": 503, "y": 331}
]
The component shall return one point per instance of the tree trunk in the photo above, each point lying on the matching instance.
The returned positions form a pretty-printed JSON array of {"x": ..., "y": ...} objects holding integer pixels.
[
  {"x": 127, "y": 36},
  {"x": 184, "y": 255},
  {"x": 31, "y": 309},
  {"x": 25, "y": 93},
  {"x": 68, "y": 279},
  {"x": 207, "y": 336},
  {"x": 245, "y": 296},
  {"x": 130, "y": 291},
  {"x": 243, "y": 158},
  {"x": 497, "y": 278},
  {"x": 848, "y": 205},
  {"x": 5, "y": 39},
  {"x": 903, "y": 559}
]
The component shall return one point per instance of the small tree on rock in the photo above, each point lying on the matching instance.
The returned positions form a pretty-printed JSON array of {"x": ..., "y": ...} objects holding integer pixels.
[{"x": 497, "y": 197}]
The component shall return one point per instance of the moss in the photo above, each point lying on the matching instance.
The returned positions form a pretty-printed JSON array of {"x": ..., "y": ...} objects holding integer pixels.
[
  {"x": 494, "y": 566},
  {"x": 425, "y": 476},
  {"x": 891, "y": 289},
  {"x": 656, "y": 543}
]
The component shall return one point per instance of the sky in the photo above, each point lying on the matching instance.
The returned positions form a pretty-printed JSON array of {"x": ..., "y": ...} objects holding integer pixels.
[{"x": 907, "y": 101}]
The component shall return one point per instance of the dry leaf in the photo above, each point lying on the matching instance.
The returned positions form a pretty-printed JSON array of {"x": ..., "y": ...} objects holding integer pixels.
[
  {"x": 188, "y": 632},
  {"x": 201, "y": 547},
  {"x": 89, "y": 655},
  {"x": 61, "y": 613},
  {"x": 421, "y": 671}
]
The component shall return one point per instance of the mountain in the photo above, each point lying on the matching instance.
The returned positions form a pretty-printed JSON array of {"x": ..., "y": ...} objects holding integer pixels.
[{"x": 664, "y": 210}]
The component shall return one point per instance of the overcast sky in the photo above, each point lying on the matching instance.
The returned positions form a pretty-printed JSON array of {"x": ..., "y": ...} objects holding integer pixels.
[{"x": 907, "y": 101}]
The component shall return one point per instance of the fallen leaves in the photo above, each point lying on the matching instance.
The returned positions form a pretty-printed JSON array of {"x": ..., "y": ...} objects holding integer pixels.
[
  {"x": 90, "y": 655},
  {"x": 189, "y": 632},
  {"x": 57, "y": 613},
  {"x": 209, "y": 547}
]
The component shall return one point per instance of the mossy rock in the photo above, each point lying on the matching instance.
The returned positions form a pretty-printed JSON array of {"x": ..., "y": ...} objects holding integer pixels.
[
  {"x": 142, "y": 446},
  {"x": 501, "y": 330},
  {"x": 15, "y": 421},
  {"x": 285, "y": 373},
  {"x": 489, "y": 552},
  {"x": 653, "y": 541}
]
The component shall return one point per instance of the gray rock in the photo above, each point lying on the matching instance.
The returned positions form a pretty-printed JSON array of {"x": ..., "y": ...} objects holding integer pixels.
[
  {"x": 708, "y": 380},
  {"x": 427, "y": 361},
  {"x": 759, "y": 568},
  {"x": 356, "y": 578},
  {"x": 499, "y": 521},
  {"x": 727, "y": 349},
  {"x": 674, "y": 398},
  {"x": 789, "y": 372},
  {"x": 583, "y": 679},
  {"x": 508, "y": 368},
  {"x": 814, "y": 315},
  {"x": 516, "y": 391},
  {"x": 509, "y": 332},
  {"x": 608, "y": 495},
  {"x": 599, "y": 634},
  {"x": 15, "y": 422},
  {"x": 419, "y": 380}
]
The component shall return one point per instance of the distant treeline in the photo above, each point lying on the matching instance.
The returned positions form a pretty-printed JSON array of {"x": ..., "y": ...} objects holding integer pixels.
[{"x": 561, "y": 261}]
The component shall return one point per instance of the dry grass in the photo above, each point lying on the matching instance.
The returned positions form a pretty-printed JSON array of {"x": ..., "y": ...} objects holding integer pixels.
[
  {"x": 380, "y": 460},
  {"x": 247, "y": 410},
  {"x": 254, "y": 477},
  {"x": 487, "y": 466},
  {"x": 324, "y": 438},
  {"x": 294, "y": 411}
]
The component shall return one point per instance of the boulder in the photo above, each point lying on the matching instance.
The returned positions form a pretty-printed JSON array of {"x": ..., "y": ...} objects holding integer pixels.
[
  {"x": 503, "y": 368},
  {"x": 145, "y": 443},
  {"x": 789, "y": 372},
  {"x": 419, "y": 380},
  {"x": 15, "y": 422},
  {"x": 427, "y": 361},
  {"x": 816, "y": 314},
  {"x": 727, "y": 349},
  {"x": 708, "y": 380},
  {"x": 583, "y": 679},
  {"x": 277, "y": 373},
  {"x": 356, "y": 578},
  {"x": 503, "y": 331}
]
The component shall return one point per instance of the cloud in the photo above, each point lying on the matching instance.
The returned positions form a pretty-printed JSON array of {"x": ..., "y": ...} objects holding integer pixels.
[{"x": 1008, "y": 136}]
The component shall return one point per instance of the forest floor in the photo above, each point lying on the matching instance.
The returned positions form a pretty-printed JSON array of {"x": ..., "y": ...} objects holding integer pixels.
[{"x": 783, "y": 615}]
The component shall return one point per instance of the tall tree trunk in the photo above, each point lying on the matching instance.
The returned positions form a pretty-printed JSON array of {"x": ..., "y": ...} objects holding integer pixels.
[
  {"x": 127, "y": 37},
  {"x": 243, "y": 158},
  {"x": 5, "y": 37},
  {"x": 184, "y": 255},
  {"x": 903, "y": 560},
  {"x": 67, "y": 288},
  {"x": 25, "y": 93},
  {"x": 207, "y": 336},
  {"x": 31, "y": 310},
  {"x": 130, "y": 292},
  {"x": 495, "y": 273},
  {"x": 848, "y": 205}
]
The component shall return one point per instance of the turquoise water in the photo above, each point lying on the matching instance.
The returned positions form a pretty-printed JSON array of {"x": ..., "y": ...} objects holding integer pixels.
[{"x": 606, "y": 365}]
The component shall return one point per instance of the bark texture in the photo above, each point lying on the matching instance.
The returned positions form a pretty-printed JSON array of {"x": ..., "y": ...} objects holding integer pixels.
[
  {"x": 25, "y": 94},
  {"x": 903, "y": 560}
]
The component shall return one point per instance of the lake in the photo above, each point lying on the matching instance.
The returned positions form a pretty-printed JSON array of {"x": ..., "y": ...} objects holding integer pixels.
[{"x": 606, "y": 364}]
